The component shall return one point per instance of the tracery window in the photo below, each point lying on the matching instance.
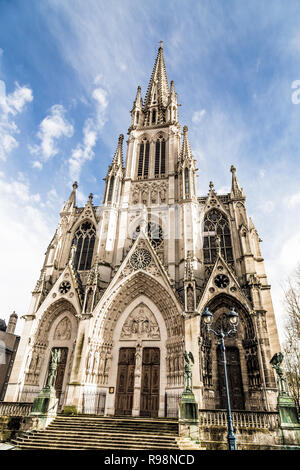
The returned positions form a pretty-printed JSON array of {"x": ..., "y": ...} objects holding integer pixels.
[
  {"x": 84, "y": 240},
  {"x": 215, "y": 223},
  {"x": 143, "y": 166},
  {"x": 160, "y": 157},
  {"x": 154, "y": 231}
]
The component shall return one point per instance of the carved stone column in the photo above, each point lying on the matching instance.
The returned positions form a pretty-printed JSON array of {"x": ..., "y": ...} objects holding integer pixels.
[{"x": 137, "y": 379}]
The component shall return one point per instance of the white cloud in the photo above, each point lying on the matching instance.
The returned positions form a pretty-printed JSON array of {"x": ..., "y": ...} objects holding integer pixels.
[
  {"x": 23, "y": 240},
  {"x": 198, "y": 116},
  {"x": 11, "y": 105},
  {"x": 51, "y": 129},
  {"x": 293, "y": 200},
  {"x": 37, "y": 164},
  {"x": 92, "y": 126}
]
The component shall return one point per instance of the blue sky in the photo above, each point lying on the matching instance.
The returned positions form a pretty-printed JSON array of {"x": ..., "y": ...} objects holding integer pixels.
[{"x": 69, "y": 71}]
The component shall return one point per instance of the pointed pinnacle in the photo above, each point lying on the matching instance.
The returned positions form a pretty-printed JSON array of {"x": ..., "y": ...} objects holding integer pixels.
[
  {"x": 186, "y": 152},
  {"x": 118, "y": 157},
  {"x": 236, "y": 190},
  {"x": 159, "y": 79}
]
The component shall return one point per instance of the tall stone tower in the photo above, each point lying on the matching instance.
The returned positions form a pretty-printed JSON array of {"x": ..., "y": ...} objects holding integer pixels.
[{"x": 124, "y": 284}]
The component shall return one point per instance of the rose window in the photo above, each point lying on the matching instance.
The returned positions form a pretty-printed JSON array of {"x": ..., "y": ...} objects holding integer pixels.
[
  {"x": 140, "y": 259},
  {"x": 64, "y": 287},
  {"x": 221, "y": 281}
]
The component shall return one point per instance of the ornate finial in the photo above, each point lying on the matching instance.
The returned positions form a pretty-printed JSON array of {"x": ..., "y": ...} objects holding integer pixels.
[
  {"x": 161, "y": 44},
  {"x": 91, "y": 197},
  {"x": 121, "y": 138},
  {"x": 75, "y": 185},
  {"x": 236, "y": 190},
  {"x": 185, "y": 129},
  {"x": 211, "y": 185}
]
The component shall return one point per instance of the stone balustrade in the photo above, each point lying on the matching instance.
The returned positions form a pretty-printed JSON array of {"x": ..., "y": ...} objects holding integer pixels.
[
  {"x": 241, "y": 419},
  {"x": 15, "y": 409}
]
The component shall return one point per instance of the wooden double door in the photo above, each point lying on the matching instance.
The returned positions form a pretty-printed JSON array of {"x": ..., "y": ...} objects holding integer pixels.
[
  {"x": 234, "y": 375},
  {"x": 150, "y": 379}
]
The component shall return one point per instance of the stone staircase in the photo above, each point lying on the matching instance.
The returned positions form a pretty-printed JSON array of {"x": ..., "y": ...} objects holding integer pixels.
[{"x": 88, "y": 432}]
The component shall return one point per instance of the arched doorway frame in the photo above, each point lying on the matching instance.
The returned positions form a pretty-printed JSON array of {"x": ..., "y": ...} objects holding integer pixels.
[
  {"x": 220, "y": 305},
  {"x": 43, "y": 343},
  {"x": 118, "y": 343}
]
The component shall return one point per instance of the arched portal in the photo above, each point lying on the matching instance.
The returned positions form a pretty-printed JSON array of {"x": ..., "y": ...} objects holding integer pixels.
[
  {"x": 241, "y": 356},
  {"x": 141, "y": 326},
  {"x": 57, "y": 329}
]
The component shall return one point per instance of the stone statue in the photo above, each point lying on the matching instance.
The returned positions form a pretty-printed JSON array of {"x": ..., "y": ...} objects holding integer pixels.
[
  {"x": 188, "y": 360},
  {"x": 276, "y": 362},
  {"x": 55, "y": 358}
]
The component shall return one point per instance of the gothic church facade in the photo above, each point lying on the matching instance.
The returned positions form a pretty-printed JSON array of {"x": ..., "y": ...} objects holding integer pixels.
[{"x": 123, "y": 285}]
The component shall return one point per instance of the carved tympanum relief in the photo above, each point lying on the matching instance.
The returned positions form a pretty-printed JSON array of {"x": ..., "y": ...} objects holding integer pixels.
[
  {"x": 140, "y": 324},
  {"x": 63, "y": 330}
]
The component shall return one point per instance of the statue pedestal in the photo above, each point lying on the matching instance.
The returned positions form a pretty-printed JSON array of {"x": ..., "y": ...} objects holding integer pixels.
[
  {"x": 188, "y": 416},
  {"x": 289, "y": 421},
  {"x": 45, "y": 407}
]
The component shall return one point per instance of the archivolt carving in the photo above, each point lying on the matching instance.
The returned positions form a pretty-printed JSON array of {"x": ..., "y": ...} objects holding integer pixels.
[
  {"x": 123, "y": 295},
  {"x": 141, "y": 324}
]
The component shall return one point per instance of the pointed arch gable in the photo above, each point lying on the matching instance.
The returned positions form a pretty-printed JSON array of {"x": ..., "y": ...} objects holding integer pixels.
[
  {"x": 124, "y": 293},
  {"x": 49, "y": 316},
  {"x": 227, "y": 302}
]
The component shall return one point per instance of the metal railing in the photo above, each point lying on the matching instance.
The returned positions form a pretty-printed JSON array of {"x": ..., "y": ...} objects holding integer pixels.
[
  {"x": 172, "y": 400},
  {"x": 93, "y": 402}
]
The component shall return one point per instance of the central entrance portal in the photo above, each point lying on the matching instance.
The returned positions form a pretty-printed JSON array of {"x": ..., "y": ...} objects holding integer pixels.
[
  {"x": 150, "y": 382},
  {"x": 125, "y": 382}
]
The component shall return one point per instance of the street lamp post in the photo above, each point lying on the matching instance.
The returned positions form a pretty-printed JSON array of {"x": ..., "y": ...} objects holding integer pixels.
[{"x": 233, "y": 318}]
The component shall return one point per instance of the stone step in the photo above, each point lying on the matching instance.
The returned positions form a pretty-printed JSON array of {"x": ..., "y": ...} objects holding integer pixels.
[
  {"x": 99, "y": 437},
  {"x": 119, "y": 422},
  {"x": 113, "y": 429},
  {"x": 94, "y": 432},
  {"x": 49, "y": 446},
  {"x": 96, "y": 445}
]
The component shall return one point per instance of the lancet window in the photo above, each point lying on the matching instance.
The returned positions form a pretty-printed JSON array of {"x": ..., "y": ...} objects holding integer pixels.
[
  {"x": 160, "y": 157},
  {"x": 111, "y": 188},
  {"x": 84, "y": 240},
  {"x": 143, "y": 166},
  {"x": 186, "y": 183}
]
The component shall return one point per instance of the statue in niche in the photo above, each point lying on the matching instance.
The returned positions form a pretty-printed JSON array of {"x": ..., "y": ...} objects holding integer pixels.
[
  {"x": 163, "y": 194},
  {"x": 153, "y": 195},
  {"x": 135, "y": 197},
  {"x": 190, "y": 299},
  {"x": 63, "y": 330}
]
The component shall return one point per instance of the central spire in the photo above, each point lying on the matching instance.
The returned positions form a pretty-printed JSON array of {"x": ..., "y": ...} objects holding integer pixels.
[{"x": 158, "y": 89}]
